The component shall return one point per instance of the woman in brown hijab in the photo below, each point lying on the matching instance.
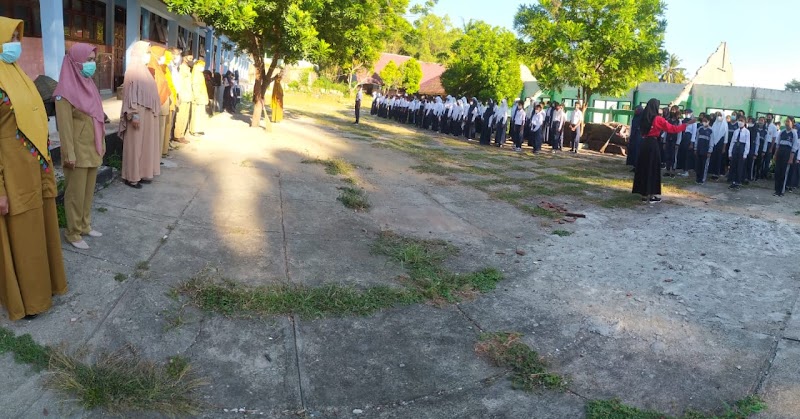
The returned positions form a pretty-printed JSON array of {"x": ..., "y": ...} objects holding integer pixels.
[
  {"x": 138, "y": 124},
  {"x": 31, "y": 263},
  {"x": 277, "y": 99},
  {"x": 157, "y": 67}
]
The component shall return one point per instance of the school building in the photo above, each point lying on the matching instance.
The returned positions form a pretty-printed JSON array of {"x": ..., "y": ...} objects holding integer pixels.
[{"x": 52, "y": 26}]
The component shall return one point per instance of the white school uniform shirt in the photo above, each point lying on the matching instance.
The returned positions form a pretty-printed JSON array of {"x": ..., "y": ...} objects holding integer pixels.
[
  {"x": 359, "y": 96},
  {"x": 741, "y": 135},
  {"x": 577, "y": 118},
  {"x": 691, "y": 129},
  {"x": 772, "y": 133},
  {"x": 537, "y": 121},
  {"x": 519, "y": 117}
]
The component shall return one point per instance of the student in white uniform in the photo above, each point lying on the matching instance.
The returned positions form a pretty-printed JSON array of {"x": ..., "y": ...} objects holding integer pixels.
[
  {"x": 786, "y": 148},
  {"x": 519, "y": 126},
  {"x": 738, "y": 149},
  {"x": 537, "y": 128},
  {"x": 576, "y": 124}
]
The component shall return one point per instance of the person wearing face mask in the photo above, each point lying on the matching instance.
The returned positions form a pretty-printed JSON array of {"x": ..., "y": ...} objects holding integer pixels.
[
  {"x": 488, "y": 123},
  {"x": 139, "y": 122},
  {"x": 200, "y": 98},
  {"x": 537, "y": 124},
  {"x": 30, "y": 243},
  {"x": 760, "y": 144},
  {"x": 738, "y": 149},
  {"x": 671, "y": 146},
  {"x": 185, "y": 99},
  {"x": 174, "y": 78},
  {"x": 750, "y": 159},
  {"x": 786, "y": 148},
  {"x": 702, "y": 149},
  {"x": 500, "y": 123},
  {"x": 720, "y": 128},
  {"x": 685, "y": 157},
  {"x": 79, "y": 116},
  {"x": 575, "y": 125},
  {"x": 557, "y": 121},
  {"x": 157, "y": 67}
]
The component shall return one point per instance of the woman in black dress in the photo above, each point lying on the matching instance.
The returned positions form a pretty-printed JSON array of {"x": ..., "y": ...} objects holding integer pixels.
[{"x": 647, "y": 180}]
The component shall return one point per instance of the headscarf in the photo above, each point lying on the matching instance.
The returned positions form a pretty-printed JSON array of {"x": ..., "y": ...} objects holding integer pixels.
[
  {"x": 473, "y": 104},
  {"x": 28, "y": 106},
  {"x": 651, "y": 111},
  {"x": 81, "y": 91},
  {"x": 139, "y": 87},
  {"x": 157, "y": 70},
  {"x": 168, "y": 75}
]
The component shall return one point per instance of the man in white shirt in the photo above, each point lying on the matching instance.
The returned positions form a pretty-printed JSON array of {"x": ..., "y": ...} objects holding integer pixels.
[
  {"x": 576, "y": 125},
  {"x": 359, "y": 96},
  {"x": 519, "y": 126},
  {"x": 537, "y": 128},
  {"x": 738, "y": 149}
]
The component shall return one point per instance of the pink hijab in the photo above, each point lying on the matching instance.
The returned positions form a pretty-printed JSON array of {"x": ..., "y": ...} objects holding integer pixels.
[
  {"x": 81, "y": 91},
  {"x": 140, "y": 86}
]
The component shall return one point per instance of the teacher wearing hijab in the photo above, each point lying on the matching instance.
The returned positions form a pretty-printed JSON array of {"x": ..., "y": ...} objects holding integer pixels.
[
  {"x": 31, "y": 263},
  {"x": 647, "y": 179},
  {"x": 79, "y": 113}
]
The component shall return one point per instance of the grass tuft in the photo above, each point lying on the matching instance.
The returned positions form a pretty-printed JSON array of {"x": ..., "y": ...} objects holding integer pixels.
[
  {"x": 120, "y": 277},
  {"x": 354, "y": 198},
  {"x": 115, "y": 161},
  {"x": 62, "y": 215},
  {"x": 122, "y": 382},
  {"x": 334, "y": 166},
  {"x": 615, "y": 409},
  {"x": 528, "y": 370},
  {"x": 102, "y": 209},
  {"x": 25, "y": 350},
  {"x": 561, "y": 233}
]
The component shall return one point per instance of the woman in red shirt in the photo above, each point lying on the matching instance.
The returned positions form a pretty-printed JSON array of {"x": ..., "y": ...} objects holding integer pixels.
[{"x": 647, "y": 180}]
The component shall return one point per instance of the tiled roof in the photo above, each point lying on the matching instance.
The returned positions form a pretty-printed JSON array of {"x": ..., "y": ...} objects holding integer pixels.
[{"x": 431, "y": 73}]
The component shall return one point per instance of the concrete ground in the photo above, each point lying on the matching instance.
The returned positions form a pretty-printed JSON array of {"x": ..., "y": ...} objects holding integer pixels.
[{"x": 668, "y": 307}]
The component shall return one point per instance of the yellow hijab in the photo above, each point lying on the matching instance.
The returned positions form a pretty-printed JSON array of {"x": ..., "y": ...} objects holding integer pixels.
[
  {"x": 168, "y": 74},
  {"x": 28, "y": 106}
]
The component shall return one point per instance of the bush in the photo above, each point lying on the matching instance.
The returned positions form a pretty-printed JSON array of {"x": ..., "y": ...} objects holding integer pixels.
[
  {"x": 294, "y": 85},
  {"x": 326, "y": 85}
]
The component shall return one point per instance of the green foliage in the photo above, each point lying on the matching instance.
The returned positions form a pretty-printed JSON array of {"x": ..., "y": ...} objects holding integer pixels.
[
  {"x": 793, "y": 86},
  {"x": 430, "y": 39},
  {"x": 485, "y": 64},
  {"x": 115, "y": 161},
  {"x": 335, "y": 166},
  {"x": 391, "y": 75},
  {"x": 615, "y": 409},
  {"x": 25, "y": 350},
  {"x": 599, "y": 46},
  {"x": 412, "y": 75},
  {"x": 671, "y": 72},
  {"x": 528, "y": 370},
  {"x": 354, "y": 198},
  {"x": 324, "y": 83},
  {"x": 61, "y": 212}
]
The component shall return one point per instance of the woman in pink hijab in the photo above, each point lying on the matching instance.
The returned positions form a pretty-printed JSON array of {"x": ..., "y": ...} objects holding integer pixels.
[{"x": 79, "y": 113}]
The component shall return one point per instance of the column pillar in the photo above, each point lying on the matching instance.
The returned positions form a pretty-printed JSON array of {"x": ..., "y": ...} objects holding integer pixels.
[
  {"x": 196, "y": 43},
  {"x": 145, "y": 24},
  {"x": 133, "y": 33},
  {"x": 172, "y": 33},
  {"x": 53, "y": 47},
  {"x": 110, "y": 22},
  {"x": 209, "y": 47}
]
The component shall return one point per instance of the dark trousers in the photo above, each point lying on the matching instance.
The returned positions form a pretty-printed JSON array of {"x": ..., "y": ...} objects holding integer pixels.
[
  {"x": 537, "y": 140},
  {"x": 669, "y": 153},
  {"x": 358, "y": 110},
  {"x": 750, "y": 168},
  {"x": 701, "y": 166},
  {"x": 736, "y": 174},
  {"x": 518, "y": 133},
  {"x": 782, "y": 168}
]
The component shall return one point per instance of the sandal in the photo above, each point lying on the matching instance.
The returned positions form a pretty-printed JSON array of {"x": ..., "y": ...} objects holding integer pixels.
[{"x": 134, "y": 185}]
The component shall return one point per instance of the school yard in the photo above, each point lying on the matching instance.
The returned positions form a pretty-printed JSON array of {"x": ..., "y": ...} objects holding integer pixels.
[{"x": 243, "y": 283}]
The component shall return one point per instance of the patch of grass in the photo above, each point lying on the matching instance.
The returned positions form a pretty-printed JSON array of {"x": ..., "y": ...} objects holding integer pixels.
[
  {"x": 435, "y": 169},
  {"x": 247, "y": 163},
  {"x": 143, "y": 265},
  {"x": 25, "y": 350},
  {"x": 115, "y": 161},
  {"x": 615, "y": 409},
  {"x": 797, "y": 213},
  {"x": 562, "y": 233},
  {"x": 538, "y": 211},
  {"x": 353, "y": 198},
  {"x": 350, "y": 181},
  {"x": 120, "y": 277},
  {"x": 122, "y": 382},
  {"x": 620, "y": 200},
  {"x": 333, "y": 167},
  {"x": 428, "y": 281},
  {"x": 102, "y": 209},
  {"x": 61, "y": 212},
  {"x": 528, "y": 370}
]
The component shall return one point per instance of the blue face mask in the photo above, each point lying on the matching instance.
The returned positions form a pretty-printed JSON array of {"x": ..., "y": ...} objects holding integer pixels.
[
  {"x": 11, "y": 52},
  {"x": 88, "y": 69}
]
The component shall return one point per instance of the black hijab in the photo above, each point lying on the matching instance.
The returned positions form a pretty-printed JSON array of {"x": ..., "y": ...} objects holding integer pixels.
[
  {"x": 651, "y": 111},
  {"x": 472, "y": 106},
  {"x": 489, "y": 110}
]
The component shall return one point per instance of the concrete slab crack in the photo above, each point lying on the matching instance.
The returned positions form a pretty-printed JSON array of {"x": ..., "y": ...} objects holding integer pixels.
[{"x": 767, "y": 367}]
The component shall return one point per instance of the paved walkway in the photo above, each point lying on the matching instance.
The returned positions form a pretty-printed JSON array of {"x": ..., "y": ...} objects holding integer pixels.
[{"x": 643, "y": 314}]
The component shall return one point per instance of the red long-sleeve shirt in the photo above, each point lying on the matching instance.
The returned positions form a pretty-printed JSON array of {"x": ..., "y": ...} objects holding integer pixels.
[{"x": 660, "y": 124}]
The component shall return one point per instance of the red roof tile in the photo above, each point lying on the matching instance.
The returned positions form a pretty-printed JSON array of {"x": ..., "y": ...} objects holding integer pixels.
[{"x": 431, "y": 73}]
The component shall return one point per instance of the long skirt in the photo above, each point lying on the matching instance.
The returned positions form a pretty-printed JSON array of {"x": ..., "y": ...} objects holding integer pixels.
[
  {"x": 647, "y": 180},
  {"x": 715, "y": 165},
  {"x": 31, "y": 261},
  {"x": 486, "y": 134},
  {"x": 633, "y": 150},
  {"x": 141, "y": 149}
]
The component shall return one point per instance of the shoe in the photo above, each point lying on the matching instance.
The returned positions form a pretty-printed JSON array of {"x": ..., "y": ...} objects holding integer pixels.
[
  {"x": 655, "y": 200},
  {"x": 733, "y": 186},
  {"x": 699, "y": 183},
  {"x": 146, "y": 181},
  {"x": 80, "y": 245},
  {"x": 134, "y": 185},
  {"x": 684, "y": 174},
  {"x": 31, "y": 316},
  {"x": 788, "y": 190},
  {"x": 95, "y": 233}
]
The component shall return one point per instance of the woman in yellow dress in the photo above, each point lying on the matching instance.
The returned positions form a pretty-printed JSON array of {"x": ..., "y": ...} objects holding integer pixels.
[
  {"x": 79, "y": 113},
  {"x": 31, "y": 263},
  {"x": 277, "y": 99}
]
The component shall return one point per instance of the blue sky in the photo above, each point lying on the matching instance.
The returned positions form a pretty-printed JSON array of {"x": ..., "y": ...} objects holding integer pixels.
[{"x": 756, "y": 43}]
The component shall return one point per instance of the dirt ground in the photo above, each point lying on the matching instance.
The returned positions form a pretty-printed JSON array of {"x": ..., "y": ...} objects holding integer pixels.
[{"x": 687, "y": 304}]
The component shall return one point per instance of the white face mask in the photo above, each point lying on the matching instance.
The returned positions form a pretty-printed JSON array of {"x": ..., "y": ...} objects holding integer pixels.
[
  {"x": 719, "y": 118},
  {"x": 162, "y": 60},
  {"x": 741, "y": 124},
  {"x": 750, "y": 125},
  {"x": 705, "y": 124},
  {"x": 146, "y": 58}
]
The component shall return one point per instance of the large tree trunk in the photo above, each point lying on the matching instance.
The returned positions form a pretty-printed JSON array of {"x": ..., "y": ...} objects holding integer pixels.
[{"x": 263, "y": 80}]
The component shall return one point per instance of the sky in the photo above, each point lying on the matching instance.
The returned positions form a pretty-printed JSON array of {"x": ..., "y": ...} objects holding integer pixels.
[{"x": 755, "y": 44}]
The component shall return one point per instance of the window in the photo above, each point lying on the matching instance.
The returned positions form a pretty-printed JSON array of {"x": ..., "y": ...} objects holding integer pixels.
[
  {"x": 158, "y": 29},
  {"x": 26, "y": 10},
  {"x": 725, "y": 112},
  {"x": 84, "y": 20}
]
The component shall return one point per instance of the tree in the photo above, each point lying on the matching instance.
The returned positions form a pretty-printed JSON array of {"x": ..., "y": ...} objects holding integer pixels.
[
  {"x": 485, "y": 64},
  {"x": 599, "y": 46},
  {"x": 412, "y": 75},
  {"x": 670, "y": 72},
  {"x": 432, "y": 38},
  {"x": 793, "y": 86},
  {"x": 391, "y": 76}
]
